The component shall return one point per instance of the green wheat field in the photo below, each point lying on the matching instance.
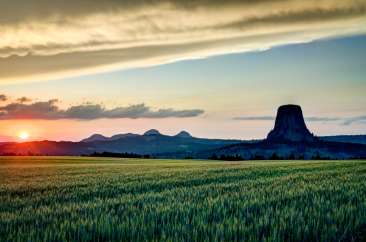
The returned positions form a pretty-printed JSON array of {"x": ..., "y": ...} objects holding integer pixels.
[{"x": 103, "y": 199}]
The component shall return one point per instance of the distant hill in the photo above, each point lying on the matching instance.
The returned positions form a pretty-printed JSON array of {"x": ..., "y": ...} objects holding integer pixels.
[
  {"x": 151, "y": 142},
  {"x": 152, "y": 132},
  {"x": 358, "y": 139},
  {"x": 289, "y": 150},
  {"x": 96, "y": 137},
  {"x": 45, "y": 148},
  {"x": 99, "y": 137},
  {"x": 154, "y": 143},
  {"x": 184, "y": 134}
]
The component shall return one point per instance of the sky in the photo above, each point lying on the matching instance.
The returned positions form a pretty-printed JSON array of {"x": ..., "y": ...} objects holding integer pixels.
[{"x": 216, "y": 69}]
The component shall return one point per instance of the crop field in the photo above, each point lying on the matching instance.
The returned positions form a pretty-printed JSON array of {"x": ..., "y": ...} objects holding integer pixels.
[{"x": 103, "y": 199}]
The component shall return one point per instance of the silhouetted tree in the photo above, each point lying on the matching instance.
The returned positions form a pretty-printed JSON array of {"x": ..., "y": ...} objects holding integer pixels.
[
  {"x": 316, "y": 156},
  {"x": 213, "y": 157},
  {"x": 275, "y": 156},
  {"x": 258, "y": 157},
  {"x": 292, "y": 156},
  {"x": 118, "y": 155}
]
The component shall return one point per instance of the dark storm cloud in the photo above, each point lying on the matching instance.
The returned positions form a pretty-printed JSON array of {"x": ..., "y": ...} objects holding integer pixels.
[
  {"x": 42, "y": 39},
  {"x": 50, "y": 111}
]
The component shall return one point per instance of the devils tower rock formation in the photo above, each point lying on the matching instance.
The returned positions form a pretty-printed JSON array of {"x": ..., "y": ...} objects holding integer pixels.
[
  {"x": 290, "y": 139},
  {"x": 290, "y": 126}
]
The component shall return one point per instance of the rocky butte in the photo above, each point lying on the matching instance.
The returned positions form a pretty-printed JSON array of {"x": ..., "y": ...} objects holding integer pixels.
[
  {"x": 290, "y": 126},
  {"x": 290, "y": 139}
]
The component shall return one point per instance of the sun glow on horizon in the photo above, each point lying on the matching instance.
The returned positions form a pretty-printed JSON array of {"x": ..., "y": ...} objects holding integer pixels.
[{"x": 23, "y": 135}]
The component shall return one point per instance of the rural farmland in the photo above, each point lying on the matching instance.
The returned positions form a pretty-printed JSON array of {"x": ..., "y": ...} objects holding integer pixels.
[{"x": 105, "y": 199}]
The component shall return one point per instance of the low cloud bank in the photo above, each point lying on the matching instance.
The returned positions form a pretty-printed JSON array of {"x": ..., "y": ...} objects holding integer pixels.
[
  {"x": 48, "y": 110},
  {"x": 341, "y": 120}
]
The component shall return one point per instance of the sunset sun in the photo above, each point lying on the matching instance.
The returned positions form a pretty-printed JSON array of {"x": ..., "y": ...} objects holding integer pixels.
[{"x": 23, "y": 135}]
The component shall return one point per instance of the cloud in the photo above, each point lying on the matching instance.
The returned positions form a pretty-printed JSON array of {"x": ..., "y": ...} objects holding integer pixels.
[
  {"x": 3, "y": 98},
  {"x": 49, "y": 110},
  {"x": 343, "y": 120},
  {"x": 322, "y": 119},
  {"x": 43, "y": 39},
  {"x": 255, "y": 118},
  {"x": 24, "y": 100},
  {"x": 358, "y": 119}
]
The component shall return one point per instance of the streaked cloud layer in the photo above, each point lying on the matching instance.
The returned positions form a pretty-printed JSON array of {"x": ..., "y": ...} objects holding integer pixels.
[
  {"x": 43, "y": 39},
  {"x": 49, "y": 110},
  {"x": 342, "y": 120}
]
